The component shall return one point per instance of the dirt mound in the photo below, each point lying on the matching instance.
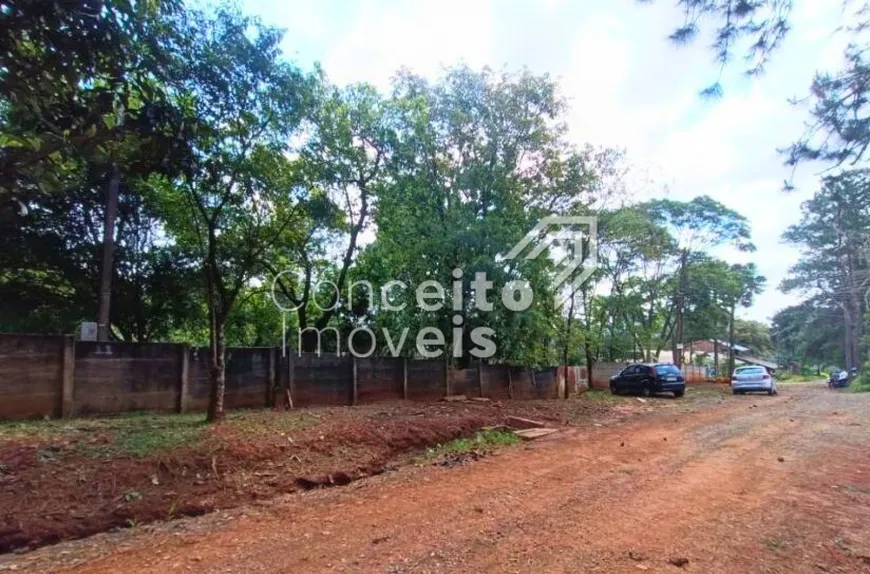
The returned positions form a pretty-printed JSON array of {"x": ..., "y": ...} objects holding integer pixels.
[
  {"x": 57, "y": 490},
  {"x": 80, "y": 478}
]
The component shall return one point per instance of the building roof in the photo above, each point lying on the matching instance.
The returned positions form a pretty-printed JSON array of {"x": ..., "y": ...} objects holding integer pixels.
[
  {"x": 756, "y": 361},
  {"x": 737, "y": 348}
]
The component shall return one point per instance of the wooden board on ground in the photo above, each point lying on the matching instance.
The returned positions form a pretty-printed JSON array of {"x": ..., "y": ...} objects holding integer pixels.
[
  {"x": 521, "y": 423},
  {"x": 532, "y": 434}
]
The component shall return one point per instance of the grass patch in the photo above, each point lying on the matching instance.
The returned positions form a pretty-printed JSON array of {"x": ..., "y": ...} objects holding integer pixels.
[
  {"x": 799, "y": 378},
  {"x": 142, "y": 434},
  {"x": 860, "y": 385},
  {"x": 483, "y": 440},
  {"x": 257, "y": 423}
]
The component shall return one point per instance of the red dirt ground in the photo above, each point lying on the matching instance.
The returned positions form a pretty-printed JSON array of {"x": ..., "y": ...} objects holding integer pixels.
[
  {"x": 53, "y": 487},
  {"x": 753, "y": 484}
]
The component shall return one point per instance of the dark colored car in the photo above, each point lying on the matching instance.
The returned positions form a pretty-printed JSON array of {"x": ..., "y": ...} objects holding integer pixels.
[{"x": 647, "y": 379}]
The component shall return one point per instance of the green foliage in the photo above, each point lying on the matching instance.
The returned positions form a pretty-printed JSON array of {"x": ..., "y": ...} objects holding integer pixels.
[
  {"x": 787, "y": 377},
  {"x": 83, "y": 84},
  {"x": 861, "y": 384},
  {"x": 834, "y": 270},
  {"x": 484, "y": 440},
  {"x": 701, "y": 223},
  {"x": 144, "y": 434},
  {"x": 444, "y": 211},
  {"x": 761, "y": 24},
  {"x": 134, "y": 434},
  {"x": 809, "y": 334},
  {"x": 239, "y": 170},
  {"x": 755, "y": 335}
]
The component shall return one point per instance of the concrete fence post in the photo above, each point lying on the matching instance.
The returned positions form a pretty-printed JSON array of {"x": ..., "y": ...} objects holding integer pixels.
[
  {"x": 510, "y": 383},
  {"x": 354, "y": 382},
  {"x": 184, "y": 380},
  {"x": 271, "y": 376},
  {"x": 480, "y": 378},
  {"x": 447, "y": 387},
  {"x": 284, "y": 397},
  {"x": 68, "y": 376}
]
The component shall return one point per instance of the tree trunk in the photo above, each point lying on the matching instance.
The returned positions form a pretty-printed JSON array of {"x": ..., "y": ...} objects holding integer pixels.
[
  {"x": 103, "y": 320},
  {"x": 716, "y": 354},
  {"x": 854, "y": 334},
  {"x": 568, "y": 334},
  {"x": 217, "y": 372},
  {"x": 590, "y": 363},
  {"x": 731, "y": 340}
]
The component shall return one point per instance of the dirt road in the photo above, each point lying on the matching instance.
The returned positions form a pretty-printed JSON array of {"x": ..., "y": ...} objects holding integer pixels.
[{"x": 752, "y": 484}]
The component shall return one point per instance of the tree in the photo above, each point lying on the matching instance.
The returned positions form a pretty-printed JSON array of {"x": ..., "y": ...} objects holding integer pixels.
[
  {"x": 344, "y": 159},
  {"x": 835, "y": 263},
  {"x": 697, "y": 225},
  {"x": 637, "y": 256},
  {"x": 50, "y": 256},
  {"x": 478, "y": 158},
  {"x": 755, "y": 335},
  {"x": 809, "y": 334},
  {"x": 743, "y": 283},
  {"x": 241, "y": 196},
  {"x": 83, "y": 96},
  {"x": 79, "y": 77}
]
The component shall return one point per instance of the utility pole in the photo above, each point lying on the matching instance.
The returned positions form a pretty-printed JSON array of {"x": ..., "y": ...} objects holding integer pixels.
[{"x": 108, "y": 254}]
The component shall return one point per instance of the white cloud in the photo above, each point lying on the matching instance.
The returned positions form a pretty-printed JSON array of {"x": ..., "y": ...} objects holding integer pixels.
[{"x": 423, "y": 36}]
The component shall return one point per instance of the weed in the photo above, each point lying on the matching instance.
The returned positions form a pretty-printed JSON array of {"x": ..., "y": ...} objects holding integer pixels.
[
  {"x": 483, "y": 440},
  {"x": 861, "y": 384},
  {"x": 132, "y": 495}
]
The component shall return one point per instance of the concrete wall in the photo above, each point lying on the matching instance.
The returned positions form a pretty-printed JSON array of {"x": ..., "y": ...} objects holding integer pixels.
[
  {"x": 324, "y": 380},
  {"x": 248, "y": 377},
  {"x": 31, "y": 375},
  {"x": 380, "y": 379},
  {"x": 55, "y": 376},
  {"x": 602, "y": 372},
  {"x": 120, "y": 377},
  {"x": 464, "y": 381},
  {"x": 427, "y": 379}
]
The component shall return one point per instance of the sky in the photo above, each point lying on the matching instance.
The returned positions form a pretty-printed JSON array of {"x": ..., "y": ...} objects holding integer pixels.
[{"x": 626, "y": 85}]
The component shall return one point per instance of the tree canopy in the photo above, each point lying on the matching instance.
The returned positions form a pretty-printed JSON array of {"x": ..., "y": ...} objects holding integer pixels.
[{"x": 258, "y": 201}]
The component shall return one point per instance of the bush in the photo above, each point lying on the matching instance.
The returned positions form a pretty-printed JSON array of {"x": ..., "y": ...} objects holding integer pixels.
[{"x": 861, "y": 384}]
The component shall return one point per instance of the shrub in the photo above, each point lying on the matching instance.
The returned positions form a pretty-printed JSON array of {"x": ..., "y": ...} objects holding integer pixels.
[{"x": 861, "y": 384}]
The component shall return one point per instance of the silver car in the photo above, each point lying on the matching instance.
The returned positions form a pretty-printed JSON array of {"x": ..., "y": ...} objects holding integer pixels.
[{"x": 752, "y": 378}]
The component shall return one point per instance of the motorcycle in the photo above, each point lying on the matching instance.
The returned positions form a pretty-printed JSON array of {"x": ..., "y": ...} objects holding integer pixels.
[{"x": 840, "y": 379}]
